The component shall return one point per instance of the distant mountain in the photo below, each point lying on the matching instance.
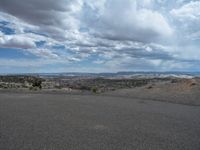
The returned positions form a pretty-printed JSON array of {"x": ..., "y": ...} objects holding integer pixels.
[
  {"x": 125, "y": 74},
  {"x": 117, "y": 75}
]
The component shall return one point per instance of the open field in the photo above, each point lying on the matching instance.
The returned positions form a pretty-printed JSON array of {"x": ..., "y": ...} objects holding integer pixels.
[{"x": 44, "y": 121}]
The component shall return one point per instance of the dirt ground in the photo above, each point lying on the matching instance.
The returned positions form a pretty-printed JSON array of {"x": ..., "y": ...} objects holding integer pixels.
[{"x": 182, "y": 92}]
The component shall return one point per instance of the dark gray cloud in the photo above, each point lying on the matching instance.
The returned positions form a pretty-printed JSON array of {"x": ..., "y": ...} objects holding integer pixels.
[
  {"x": 49, "y": 16},
  {"x": 45, "y": 12}
]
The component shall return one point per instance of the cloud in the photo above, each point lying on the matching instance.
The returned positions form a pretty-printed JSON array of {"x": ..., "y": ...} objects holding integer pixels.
[
  {"x": 16, "y": 41},
  {"x": 126, "y": 20},
  {"x": 118, "y": 34},
  {"x": 189, "y": 12},
  {"x": 188, "y": 19},
  {"x": 45, "y": 53},
  {"x": 51, "y": 17}
]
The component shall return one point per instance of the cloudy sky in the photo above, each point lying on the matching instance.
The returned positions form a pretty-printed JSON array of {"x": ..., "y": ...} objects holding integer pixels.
[{"x": 99, "y": 35}]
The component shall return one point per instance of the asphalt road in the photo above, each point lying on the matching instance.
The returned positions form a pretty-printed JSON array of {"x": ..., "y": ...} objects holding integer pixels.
[{"x": 75, "y": 122}]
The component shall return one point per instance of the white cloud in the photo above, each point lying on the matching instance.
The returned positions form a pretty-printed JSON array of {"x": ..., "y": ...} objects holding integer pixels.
[
  {"x": 188, "y": 19},
  {"x": 45, "y": 53},
  {"x": 16, "y": 41},
  {"x": 189, "y": 12},
  {"x": 125, "y": 20}
]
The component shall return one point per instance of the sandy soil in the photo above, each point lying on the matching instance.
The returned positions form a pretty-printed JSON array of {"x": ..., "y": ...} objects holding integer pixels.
[{"x": 185, "y": 92}]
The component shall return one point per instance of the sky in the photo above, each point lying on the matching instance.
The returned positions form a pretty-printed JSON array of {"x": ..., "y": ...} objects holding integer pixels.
[{"x": 49, "y": 36}]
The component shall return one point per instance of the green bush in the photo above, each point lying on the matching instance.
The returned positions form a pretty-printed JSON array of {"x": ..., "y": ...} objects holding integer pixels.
[{"x": 94, "y": 90}]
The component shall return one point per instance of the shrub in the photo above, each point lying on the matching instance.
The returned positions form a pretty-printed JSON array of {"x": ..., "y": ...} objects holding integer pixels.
[
  {"x": 94, "y": 90},
  {"x": 37, "y": 83}
]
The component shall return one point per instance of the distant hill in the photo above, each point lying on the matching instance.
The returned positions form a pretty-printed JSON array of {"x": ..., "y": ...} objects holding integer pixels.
[{"x": 116, "y": 75}]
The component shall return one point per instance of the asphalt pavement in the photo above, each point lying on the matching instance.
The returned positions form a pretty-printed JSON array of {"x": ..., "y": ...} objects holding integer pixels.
[{"x": 90, "y": 122}]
